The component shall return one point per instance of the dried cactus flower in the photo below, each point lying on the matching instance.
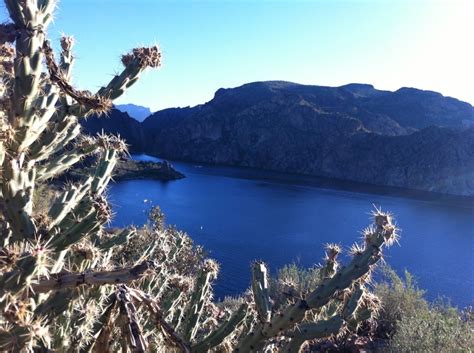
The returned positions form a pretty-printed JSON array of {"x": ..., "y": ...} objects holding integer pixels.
[
  {"x": 67, "y": 42},
  {"x": 144, "y": 57},
  {"x": 332, "y": 250}
]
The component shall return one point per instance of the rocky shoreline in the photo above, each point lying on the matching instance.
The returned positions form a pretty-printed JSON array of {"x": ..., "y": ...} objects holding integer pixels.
[{"x": 129, "y": 169}]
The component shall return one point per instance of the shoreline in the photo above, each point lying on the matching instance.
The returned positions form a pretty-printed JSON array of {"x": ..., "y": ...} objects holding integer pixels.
[{"x": 272, "y": 176}]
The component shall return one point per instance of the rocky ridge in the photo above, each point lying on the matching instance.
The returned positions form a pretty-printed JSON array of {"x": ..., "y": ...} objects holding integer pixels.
[{"x": 408, "y": 138}]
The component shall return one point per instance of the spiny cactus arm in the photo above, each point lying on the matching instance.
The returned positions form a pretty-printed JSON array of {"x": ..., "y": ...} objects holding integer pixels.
[
  {"x": 17, "y": 192},
  {"x": 324, "y": 328},
  {"x": 331, "y": 265},
  {"x": 361, "y": 264},
  {"x": 47, "y": 7},
  {"x": 104, "y": 170},
  {"x": 368, "y": 308},
  {"x": 21, "y": 276},
  {"x": 45, "y": 108},
  {"x": 313, "y": 330},
  {"x": 68, "y": 201},
  {"x": 120, "y": 239},
  {"x": 112, "y": 147},
  {"x": 76, "y": 215},
  {"x": 220, "y": 334},
  {"x": 2, "y": 148},
  {"x": 293, "y": 313},
  {"x": 177, "y": 248},
  {"x": 58, "y": 134},
  {"x": 178, "y": 314},
  {"x": 383, "y": 233},
  {"x": 30, "y": 22},
  {"x": 67, "y": 59},
  {"x": 102, "y": 328},
  {"x": 66, "y": 63},
  {"x": 172, "y": 301},
  {"x": 19, "y": 337},
  {"x": 131, "y": 328},
  {"x": 176, "y": 308},
  {"x": 82, "y": 228},
  {"x": 91, "y": 103},
  {"x": 63, "y": 162},
  {"x": 199, "y": 298},
  {"x": 135, "y": 62},
  {"x": 61, "y": 281},
  {"x": 55, "y": 305},
  {"x": 289, "y": 317},
  {"x": 260, "y": 291},
  {"x": 29, "y": 36},
  {"x": 86, "y": 310},
  {"x": 157, "y": 314},
  {"x": 59, "y": 164}
]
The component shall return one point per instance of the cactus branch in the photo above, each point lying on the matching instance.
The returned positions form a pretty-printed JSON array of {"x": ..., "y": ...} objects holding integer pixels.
[
  {"x": 384, "y": 232},
  {"x": 220, "y": 334},
  {"x": 61, "y": 281},
  {"x": 260, "y": 291},
  {"x": 93, "y": 103},
  {"x": 131, "y": 328},
  {"x": 199, "y": 298},
  {"x": 171, "y": 335}
]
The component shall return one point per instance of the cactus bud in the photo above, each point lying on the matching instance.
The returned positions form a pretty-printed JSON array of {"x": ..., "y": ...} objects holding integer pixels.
[
  {"x": 102, "y": 208},
  {"x": 145, "y": 57},
  {"x": 212, "y": 267},
  {"x": 67, "y": 43},
  {"x": 356, "y": 250},
  {"x": 332, "y": 251}
]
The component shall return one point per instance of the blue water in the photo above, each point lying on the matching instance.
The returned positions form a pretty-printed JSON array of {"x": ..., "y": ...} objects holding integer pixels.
[{"x": 240, "y": 215}]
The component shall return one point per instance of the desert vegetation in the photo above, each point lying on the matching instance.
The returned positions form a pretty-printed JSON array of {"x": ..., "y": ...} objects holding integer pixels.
[{"x": 69, "y": 283}]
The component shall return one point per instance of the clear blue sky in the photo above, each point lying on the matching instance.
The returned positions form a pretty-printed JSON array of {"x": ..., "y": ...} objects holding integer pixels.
[{"x": 426, "y": 44}]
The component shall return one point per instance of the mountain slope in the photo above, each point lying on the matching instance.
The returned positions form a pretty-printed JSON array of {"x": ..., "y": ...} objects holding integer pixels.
[{"x": 408, "y": 138}]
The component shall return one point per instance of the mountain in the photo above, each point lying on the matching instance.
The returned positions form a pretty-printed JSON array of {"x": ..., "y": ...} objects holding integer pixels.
[
  {"x": 137, "y": 112},
  {"x": 408, "y": 138}
]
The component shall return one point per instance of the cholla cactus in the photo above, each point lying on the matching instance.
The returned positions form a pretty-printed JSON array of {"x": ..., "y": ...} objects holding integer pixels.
[
  {"x": 47, "y": 256},
  {"x": 68, "y": 283},
  {"x": 338, "y": 302}
]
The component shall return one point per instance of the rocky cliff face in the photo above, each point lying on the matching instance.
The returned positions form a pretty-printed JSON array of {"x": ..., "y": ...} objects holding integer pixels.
[
  {"x": 117, "y": 123},
  {"x": 408, "y": 138}
]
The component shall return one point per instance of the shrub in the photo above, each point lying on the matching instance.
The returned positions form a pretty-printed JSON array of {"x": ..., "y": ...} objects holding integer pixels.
[
  {"x": 400, "y": 297},
  {"x": 412, "y": 324}
]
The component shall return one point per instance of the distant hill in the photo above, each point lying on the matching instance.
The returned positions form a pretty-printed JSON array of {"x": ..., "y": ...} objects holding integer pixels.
[
  {"x": 137, "y": 112},
  {"x": 408, "y": 138}
]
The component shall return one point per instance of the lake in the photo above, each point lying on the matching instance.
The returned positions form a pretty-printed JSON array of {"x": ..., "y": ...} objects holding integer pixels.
[{"x": 240, "y": 215}]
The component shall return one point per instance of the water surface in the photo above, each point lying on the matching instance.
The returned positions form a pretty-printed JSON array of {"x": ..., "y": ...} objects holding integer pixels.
[{"x": 240, "y": 215}]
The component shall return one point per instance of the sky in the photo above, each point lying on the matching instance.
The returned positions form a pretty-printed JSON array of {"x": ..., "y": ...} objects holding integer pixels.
[{"x": 206, "y": 45}]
